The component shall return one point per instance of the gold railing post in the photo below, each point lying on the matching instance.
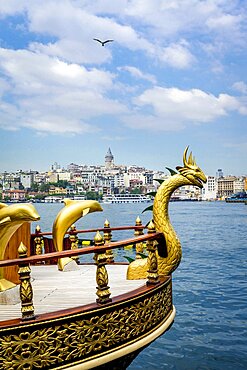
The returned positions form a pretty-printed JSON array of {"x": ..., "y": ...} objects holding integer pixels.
[
  {"x": 73, "y": 241},
  {"x": 138, "y": 232},
  {"x": 38, "y": 241},
  {"x": 103, "y": 290},
  {"x": 107, "y": 239},
  {"x": 153, "y": 276},
  {"x": 26, "y": 291}
]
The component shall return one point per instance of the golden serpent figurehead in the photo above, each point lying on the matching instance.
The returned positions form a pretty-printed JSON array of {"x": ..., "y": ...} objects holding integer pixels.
[
  {"x": 189, "y": 174},
  {"x": 68, "y": 215}
]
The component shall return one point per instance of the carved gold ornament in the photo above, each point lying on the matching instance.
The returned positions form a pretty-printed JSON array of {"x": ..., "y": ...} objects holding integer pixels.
[{"x": 83, "y": 336}]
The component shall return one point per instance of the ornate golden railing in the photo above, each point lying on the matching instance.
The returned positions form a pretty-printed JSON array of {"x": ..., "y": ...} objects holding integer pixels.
[
  {"x": 107, "y": 333},
  {"x": 41, "y": 242},
  {"x": 102, "y": 250}
]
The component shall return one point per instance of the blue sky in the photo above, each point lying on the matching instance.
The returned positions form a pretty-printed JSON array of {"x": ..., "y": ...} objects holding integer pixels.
[{"x": 174, "y": 76}]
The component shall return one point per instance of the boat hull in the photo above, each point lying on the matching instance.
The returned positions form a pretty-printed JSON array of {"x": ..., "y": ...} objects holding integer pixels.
[{"x": 91, "y": 336}]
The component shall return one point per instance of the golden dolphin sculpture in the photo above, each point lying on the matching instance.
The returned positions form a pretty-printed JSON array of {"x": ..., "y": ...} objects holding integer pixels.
[
  {"x": 11, "y": 218},
  {"x": 68, "y": 215}
]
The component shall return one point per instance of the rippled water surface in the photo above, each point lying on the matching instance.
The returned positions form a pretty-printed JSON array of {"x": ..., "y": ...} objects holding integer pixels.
[{"x": 209, "y": 286}]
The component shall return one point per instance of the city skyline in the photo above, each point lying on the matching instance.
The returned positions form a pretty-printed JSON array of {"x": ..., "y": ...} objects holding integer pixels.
[
  {"x": 56, "y": 166},
  {"x": 170, "y": 78}
]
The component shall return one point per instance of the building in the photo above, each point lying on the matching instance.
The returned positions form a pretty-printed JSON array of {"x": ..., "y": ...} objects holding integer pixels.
[
  {"x": 27, "y": 180},
  {"x": 109, "y": 159},
  {"x": 14, "y": 195},
  {"x": 209, "y": 190},
  {"x": 239, "y": 185},
  {"x": 225, "y": 186}
]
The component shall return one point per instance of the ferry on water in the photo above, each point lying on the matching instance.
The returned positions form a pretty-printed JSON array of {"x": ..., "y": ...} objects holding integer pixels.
[{"x": 126, "y": 198}]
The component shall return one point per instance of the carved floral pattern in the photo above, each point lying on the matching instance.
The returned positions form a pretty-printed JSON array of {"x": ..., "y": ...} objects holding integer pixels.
[{"x": 82, "y": 336}]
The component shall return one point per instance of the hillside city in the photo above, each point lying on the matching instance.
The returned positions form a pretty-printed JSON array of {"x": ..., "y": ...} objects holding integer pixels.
[{"x": 97, "y": 182}]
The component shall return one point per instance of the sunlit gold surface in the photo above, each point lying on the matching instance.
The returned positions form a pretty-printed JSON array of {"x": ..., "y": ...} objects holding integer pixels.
[
  {"x": 26, "y": 291},
  {"x": 103, "y": 290},
  {"x": 85, "y": 336},
  {"x": 11, "y": 218},
  {"x": 189, "y": 174},
  {"x": 72, "y": 211}
]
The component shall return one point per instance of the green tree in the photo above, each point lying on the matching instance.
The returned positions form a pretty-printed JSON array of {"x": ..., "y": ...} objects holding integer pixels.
[
  {"x": 44, "y": 188},
  {"x": 93, "y": 195},
  {"x": 135, "y": 191}
]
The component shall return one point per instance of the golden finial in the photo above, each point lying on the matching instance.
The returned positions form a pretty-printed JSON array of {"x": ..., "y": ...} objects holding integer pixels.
[
  {"x": 107, "y": 223},
  {"x": 22, "y": 250},
  {"x": 37, "y": 229},
  {"x": 98, "y": 239},
  {"x": 138, "y": 221},
  {"x": 151, "y": 227}
]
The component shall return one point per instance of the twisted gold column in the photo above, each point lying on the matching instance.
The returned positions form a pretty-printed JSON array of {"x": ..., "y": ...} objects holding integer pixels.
[
  {"x": 138, "y": 232},
  {"x": 103, "y": 291},
  {"x": 26, "y": 291},
  {"x": 38, "y": 241},
  {"x": 107, "y": 239}
]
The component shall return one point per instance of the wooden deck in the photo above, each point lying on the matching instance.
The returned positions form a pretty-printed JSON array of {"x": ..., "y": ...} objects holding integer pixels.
[{"x": 55, "y": 290}]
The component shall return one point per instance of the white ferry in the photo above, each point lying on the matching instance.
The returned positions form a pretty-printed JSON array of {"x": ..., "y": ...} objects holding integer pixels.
[{"x": 126, "y": 198}]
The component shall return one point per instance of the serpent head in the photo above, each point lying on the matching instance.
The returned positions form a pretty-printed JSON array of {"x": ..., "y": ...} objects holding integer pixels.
[{"x": 191, "y": 171}]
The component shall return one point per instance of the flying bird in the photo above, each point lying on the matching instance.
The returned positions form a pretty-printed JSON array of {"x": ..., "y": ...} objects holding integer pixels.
[{"x": 103, "y": 42}]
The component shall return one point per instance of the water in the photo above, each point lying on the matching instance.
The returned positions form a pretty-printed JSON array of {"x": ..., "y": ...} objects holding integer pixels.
[{"x": 209, "y": 286}]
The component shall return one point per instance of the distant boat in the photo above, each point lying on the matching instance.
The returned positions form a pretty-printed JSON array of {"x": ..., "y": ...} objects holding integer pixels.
[
  {"x": 240, "y": 197},
  {"x": 126, "y": 198}
]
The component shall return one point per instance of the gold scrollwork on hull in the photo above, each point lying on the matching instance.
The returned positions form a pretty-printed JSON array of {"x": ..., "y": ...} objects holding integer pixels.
[{"x": 83, "y": 336}]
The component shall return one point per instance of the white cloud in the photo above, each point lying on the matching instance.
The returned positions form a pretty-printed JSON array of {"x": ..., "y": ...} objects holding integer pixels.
[
  {"x": 51, "y": 76},
  {"x": 240, "y": 86},
  {"x": 136, "y": 72},
  {"x": 173, "y": 109},
  {"x": 139, "y": 25},
  {"x": 50, "y": 95},
  {"x": 76, "y": 51},
  {"x": 12, "y": 7},
  {"x": 223, "y": 21},
  {"x": 177, "y": 56}
]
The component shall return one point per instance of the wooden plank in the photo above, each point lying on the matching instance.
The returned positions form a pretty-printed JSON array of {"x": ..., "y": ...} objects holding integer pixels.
[
  {"x": 21, "y": 235},
  {"x": 55, "y": 290}
]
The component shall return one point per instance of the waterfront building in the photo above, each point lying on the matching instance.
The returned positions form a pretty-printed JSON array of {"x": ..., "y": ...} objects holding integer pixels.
[
  {"x": 14, "y": 195},
  {"x": 209, "y": 190},
  {"x": 54, "y": 190},
  {"x": 110, "y": 178},
  {"x": 239, "y": 185},
  {"x": 120, "y": 180},
  {"x": 225, "y": 186},
  {"x": 27, "y": 179}
]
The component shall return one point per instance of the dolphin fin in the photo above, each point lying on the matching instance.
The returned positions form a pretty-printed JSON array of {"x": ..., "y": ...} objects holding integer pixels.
[
  {"x": 5, "y": 220},
  {"x": 3, "y": 205},
  {"x": 67, "y": 201},
  {"x": 85, "y": 211}
]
